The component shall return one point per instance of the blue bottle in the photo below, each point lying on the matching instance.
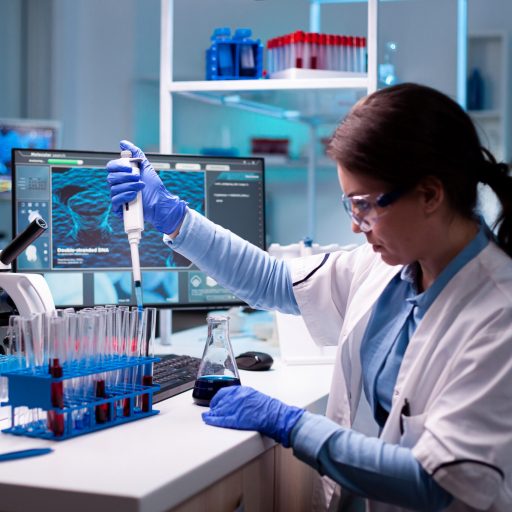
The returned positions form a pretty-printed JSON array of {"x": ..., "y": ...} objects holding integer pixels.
[
  {"x": 475, "y": 90},
  {"x": 246, "y": 52},
  {"x": 221, "y": 53}
]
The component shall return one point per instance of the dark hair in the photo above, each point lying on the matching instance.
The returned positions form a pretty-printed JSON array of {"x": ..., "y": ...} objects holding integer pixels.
[{"x": 402, "y": 134}]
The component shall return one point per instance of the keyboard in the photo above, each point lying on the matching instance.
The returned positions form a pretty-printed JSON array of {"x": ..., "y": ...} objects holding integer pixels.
[{"x": 175, "y": 374}]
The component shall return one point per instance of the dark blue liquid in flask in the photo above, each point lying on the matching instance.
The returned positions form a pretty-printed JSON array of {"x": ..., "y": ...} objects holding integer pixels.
[{"x": 218, "y": 366}]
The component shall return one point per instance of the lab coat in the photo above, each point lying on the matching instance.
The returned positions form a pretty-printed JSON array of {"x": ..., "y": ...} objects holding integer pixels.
[{"x": 456, "y": 373}]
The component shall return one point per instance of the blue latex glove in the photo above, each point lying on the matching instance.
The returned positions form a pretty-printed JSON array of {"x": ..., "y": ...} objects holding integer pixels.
[
  {"x": 245, "y": 408},
  {"x": 161, "y": 208}
]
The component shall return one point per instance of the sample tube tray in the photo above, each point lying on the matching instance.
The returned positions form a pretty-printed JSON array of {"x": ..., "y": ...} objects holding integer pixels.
[
  {"x": 9, "y": 363},
  {"x": 79, "y": 414}
]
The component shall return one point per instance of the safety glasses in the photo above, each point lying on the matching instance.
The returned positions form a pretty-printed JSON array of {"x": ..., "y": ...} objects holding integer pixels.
[{"x": 366, "y": 210}]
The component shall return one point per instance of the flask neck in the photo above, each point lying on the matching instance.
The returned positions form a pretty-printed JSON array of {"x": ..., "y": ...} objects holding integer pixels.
[{"x": 218, "y": 330}]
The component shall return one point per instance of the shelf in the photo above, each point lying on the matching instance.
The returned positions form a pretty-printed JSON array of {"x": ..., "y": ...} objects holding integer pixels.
[
  {"x": 488, "y": 52},
  {"x": 277, "y": 84},
  {"x": 313, "y": 100},
  {"x": 282, "y": 162},
  {"x": 282, "y": 99},
  {"x": 485, "y": 114}
]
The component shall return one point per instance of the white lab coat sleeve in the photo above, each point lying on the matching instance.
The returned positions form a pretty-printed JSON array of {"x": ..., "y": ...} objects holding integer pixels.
[
  {"x": 467, "y": 440},
  {"x": 323, "y": 285}
]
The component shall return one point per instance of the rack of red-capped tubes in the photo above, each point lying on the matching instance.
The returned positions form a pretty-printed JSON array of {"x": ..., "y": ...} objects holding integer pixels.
[
  {"x": 80, "y": 372},
  {"x": 307, "y": 50}
]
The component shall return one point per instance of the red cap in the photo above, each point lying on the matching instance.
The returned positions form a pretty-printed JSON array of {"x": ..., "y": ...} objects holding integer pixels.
[
  {"x": 350, "y": 41},
  {"x": 298, "y": 36},
  {"x": 343, "y": 40},
  {"x": 323, "y": 39}
]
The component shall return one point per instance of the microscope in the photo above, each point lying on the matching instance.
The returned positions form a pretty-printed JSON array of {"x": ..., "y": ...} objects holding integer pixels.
[{"x": 22, "y": 294}]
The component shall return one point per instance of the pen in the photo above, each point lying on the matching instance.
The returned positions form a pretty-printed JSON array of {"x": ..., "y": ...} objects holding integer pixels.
[{"x": 21, "y": 454}]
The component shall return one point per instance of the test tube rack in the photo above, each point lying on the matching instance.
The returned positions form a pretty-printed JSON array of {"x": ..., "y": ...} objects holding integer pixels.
[
  {"x": 34, "y": 388},
  {"x": 9, "y": 363}
]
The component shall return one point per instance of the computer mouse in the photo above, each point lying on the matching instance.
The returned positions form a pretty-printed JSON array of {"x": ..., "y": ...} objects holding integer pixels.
[{"x": 255, "y": 361}]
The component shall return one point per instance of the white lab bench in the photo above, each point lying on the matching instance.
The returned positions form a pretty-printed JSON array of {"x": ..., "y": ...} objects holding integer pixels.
[{"x": 172, "y": 461}]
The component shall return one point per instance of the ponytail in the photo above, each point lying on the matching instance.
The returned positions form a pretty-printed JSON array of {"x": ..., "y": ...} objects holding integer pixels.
[{"x": 496, "y": 175}]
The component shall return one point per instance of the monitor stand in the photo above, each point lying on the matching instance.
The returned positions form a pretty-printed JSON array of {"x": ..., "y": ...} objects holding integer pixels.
[{"x": 165, "y": 326}]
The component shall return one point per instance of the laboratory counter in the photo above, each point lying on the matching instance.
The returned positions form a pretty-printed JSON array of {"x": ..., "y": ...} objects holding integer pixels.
[{"x": 172, "y": 461}]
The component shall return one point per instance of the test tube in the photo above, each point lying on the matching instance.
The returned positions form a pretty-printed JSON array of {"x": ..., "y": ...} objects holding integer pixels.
[
  {"x": 32, "y": 339},
  {"x": 131, "y": 347},
  {"x": 362, "y": 55},
  {"x": 19, "y": 415},
  {"x": 280, "y": 53},
  {"x": 270, "y": 56},
  {"x": 101, "y": 411},
  {"x": 85, "y": 339},
  {"x": 322, "y": 51},
  {"x": 355, "y": 54},
  {"x": 314, "y": 51},
  {"x": 72, "y": 361},
  {"x": 298, "y": 38},
  {"x": 351, "y": 53},
  {"x": 343, "y": 53},
  {"x": 148, "y": 348},
  {"x": 57, "y": 329}
]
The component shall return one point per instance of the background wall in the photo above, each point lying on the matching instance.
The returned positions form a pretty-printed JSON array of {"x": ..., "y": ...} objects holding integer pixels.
[{"x": 94, "y": 65}]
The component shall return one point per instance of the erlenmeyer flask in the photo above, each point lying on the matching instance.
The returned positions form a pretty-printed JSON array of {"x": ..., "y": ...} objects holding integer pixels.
[{"x": 218, "y": 367}]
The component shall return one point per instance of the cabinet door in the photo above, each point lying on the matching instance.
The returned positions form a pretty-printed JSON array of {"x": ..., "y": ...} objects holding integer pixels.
[
  {"x": 294, "y": 482},
  {"x": 249, "y": 489}
]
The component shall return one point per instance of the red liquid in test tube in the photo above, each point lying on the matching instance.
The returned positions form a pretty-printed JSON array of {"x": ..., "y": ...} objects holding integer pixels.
[
  {"x": 147, "y": 380},
  {"x": 298, "y": 39},
  {"x": 313, "y": 63},
  {"x": 56, "y": 420},
  {"x": 101, "y": 411}
]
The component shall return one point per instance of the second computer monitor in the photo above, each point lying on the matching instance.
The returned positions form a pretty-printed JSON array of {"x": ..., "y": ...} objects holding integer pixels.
[
  {"x": 24, "y": 133},
  {"x": 85, "y": 255}
]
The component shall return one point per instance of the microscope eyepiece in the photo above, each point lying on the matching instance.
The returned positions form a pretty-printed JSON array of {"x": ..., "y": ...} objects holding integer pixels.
[{"x": 23, "y": 240}]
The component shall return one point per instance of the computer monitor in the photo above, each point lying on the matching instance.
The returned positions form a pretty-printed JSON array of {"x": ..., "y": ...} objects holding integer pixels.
[
  {"x": 24, "y": 133},
  {"x": 85, "y": 255}
]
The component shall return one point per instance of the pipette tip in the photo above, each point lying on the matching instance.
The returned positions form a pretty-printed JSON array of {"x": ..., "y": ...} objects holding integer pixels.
[{"x": 138, "y": 294}]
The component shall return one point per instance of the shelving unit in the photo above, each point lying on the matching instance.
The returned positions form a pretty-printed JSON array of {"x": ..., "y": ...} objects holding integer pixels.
[
  {"x": 293, "y": 100},
  {"x": 488, "y": 52}
]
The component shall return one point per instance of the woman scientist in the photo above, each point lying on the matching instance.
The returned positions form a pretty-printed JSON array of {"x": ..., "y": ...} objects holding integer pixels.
[{"x": 422, "y": 313}]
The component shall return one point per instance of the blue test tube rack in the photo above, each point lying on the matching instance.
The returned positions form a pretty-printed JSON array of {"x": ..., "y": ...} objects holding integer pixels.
[
  {"x": 32, "y": 388},
  {"x": 236, "y": 57},
  {"x": 8, "y": 363}
]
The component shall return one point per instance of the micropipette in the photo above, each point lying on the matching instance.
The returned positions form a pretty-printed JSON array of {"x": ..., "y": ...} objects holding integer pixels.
[{"x": 133, "y": 218}]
